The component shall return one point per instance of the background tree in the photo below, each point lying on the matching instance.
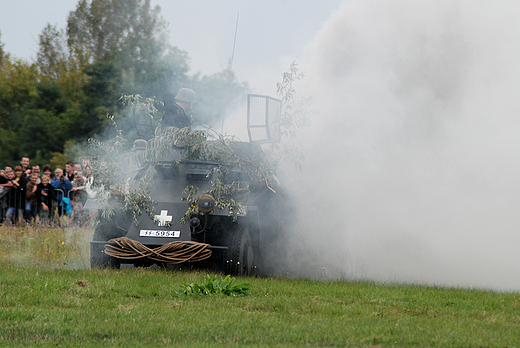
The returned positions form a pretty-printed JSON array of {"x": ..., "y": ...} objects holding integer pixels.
[
  {"x": 3, "y": 54},
  {"x": 18, "y": 85},
  {"x": 109, "y": 48},
  {"x": 131, "y": 35}
]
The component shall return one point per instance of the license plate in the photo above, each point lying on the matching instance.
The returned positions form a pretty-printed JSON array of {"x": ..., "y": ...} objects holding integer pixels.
[{"x": 159, "y": 233}]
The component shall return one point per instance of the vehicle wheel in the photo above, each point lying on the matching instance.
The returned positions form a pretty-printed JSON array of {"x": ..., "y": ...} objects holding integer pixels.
[
  {"x": 240, "y": 258},
  {"x": 98, "y": 258}
]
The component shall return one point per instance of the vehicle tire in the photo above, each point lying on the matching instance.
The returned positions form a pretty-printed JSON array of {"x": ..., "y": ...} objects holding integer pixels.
[
  {"x": 98, "y": 258},
  {"x": 240, "y": 258}
]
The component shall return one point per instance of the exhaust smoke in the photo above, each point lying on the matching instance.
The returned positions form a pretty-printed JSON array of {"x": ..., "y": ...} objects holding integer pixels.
[{"x": 412, "y": 169}]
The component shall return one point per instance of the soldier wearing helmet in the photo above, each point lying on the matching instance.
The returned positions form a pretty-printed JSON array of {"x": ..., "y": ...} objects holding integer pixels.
[{"x": 176, "y": 115}]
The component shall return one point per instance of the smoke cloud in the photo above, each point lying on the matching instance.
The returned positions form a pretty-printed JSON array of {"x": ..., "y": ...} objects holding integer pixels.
[{"x": 412, "y": 170}]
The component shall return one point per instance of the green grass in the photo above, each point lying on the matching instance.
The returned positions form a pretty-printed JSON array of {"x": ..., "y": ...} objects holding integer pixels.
[
  {"x": 45, "y": 303},
  {"x": 46, "y": 247},
  {"x": 139, "y": 307}
]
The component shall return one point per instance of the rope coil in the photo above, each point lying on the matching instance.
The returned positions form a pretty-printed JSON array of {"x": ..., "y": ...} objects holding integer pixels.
[{"x": 172, "y": 253}]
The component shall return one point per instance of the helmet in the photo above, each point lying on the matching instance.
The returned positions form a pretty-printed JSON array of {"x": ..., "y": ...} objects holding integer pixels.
[
  {"x": 186, "y": 95},
  {"x": 139, "y": 145}
]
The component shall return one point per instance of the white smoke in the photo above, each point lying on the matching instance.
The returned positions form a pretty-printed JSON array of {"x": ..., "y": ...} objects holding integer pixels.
[{"x": 412, "y": 170}]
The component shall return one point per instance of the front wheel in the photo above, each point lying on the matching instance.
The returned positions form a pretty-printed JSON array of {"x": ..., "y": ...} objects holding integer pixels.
[
  {"x": 98, "y": 257},
  {"x": 240, "y": 258}
]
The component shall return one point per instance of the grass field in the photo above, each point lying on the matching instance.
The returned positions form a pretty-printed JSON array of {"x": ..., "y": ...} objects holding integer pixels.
[{"x": 48, "y": 303}]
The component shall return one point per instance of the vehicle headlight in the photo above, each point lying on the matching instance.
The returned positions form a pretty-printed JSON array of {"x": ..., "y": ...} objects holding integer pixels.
[{"x": 206, "y": 203}]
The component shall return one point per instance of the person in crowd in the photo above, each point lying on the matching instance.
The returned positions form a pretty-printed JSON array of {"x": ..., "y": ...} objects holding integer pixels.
[
  {"x": 79, "y": 185},
  {"x": 9, "y": 172},
  {"x": 79, "y": 181},
  {"x": 47, "y": 170},
  {"x": 77, "y": 208},
  {"x": 25, "y": 166},
  {"x": 31, "y": 199},
  {"x": 5, "y": 189},
  {"x": 36, "y": 169},
  {"x": 4, "y": 181},
  {"x": 77, "y": 168},
  {"x": 61, "y": 187},
  {"x": 45, "y": 198},
  {"x": 17, "y": 196},
  {"x": 8, "y": 191},
  {"x": 88, "y": 172},
  {"x": 69, "y": 171}
]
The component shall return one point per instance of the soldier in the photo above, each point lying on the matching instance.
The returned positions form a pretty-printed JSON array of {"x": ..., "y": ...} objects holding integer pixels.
[{"x": 176, "y": 115}]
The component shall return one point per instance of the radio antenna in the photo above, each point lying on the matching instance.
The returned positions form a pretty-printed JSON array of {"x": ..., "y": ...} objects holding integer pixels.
[
  {"x": 231, "y": 64},
  {"x": 234, "y": 44}
]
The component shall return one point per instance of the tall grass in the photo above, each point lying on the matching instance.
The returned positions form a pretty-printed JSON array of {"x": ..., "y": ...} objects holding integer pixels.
[{"x": 51, "y": 247}]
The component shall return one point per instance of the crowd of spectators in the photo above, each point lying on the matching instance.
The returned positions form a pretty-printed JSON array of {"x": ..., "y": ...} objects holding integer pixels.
[{"x": 30, "y": 195}]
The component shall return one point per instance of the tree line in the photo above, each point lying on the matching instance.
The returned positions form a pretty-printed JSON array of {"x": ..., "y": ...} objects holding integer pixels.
[{"x": 109, "y": 48}]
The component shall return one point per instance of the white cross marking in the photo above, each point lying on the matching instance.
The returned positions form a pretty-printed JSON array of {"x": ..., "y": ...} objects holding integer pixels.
[{"x": 163, "y": 218}]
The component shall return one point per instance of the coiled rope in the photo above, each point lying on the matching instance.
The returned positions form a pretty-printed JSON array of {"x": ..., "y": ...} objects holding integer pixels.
[{"x": 173, "y": 252}]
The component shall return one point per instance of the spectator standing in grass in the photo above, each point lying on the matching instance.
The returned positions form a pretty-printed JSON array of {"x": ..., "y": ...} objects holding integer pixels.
[
  {"x": 4, "y": 181},
  {"x": 79, "y": 181},
  {"x": 45, "y": 198},
  {"x": 60, "y": 183},
  {"x": 77, "y": 208},
  {"x": 36, "y": 169},
  {"x": 69, "y": 171},
  {"x": 80, "y": 194},
  {"x": 17, "y": 198},
  {"x": 25, "y": 166},
  {"x": 9, "y": 173},
  {"x": 31, "y": 199},
  {"x": 5, "y": 188},
  {"x": 88, "y": 172},
  {"x": 77, "y": 168},
  {"x": 47, "y": 170}
]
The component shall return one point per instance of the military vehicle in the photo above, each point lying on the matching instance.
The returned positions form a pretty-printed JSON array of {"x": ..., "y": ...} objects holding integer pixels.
[{"x": 212, "y": 237}]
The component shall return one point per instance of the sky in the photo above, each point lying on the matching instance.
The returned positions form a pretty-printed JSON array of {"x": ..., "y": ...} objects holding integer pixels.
[
  {"x": 411, "y": 169},
  {"x": 271, "y": 33}
]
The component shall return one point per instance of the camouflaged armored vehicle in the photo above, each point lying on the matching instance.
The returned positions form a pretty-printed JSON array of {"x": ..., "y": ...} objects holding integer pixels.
[{"x": 238, "y": 243}]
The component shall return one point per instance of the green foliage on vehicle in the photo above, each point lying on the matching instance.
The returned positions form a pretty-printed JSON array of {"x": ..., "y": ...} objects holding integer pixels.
[{"x": 242, "y": 168}]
